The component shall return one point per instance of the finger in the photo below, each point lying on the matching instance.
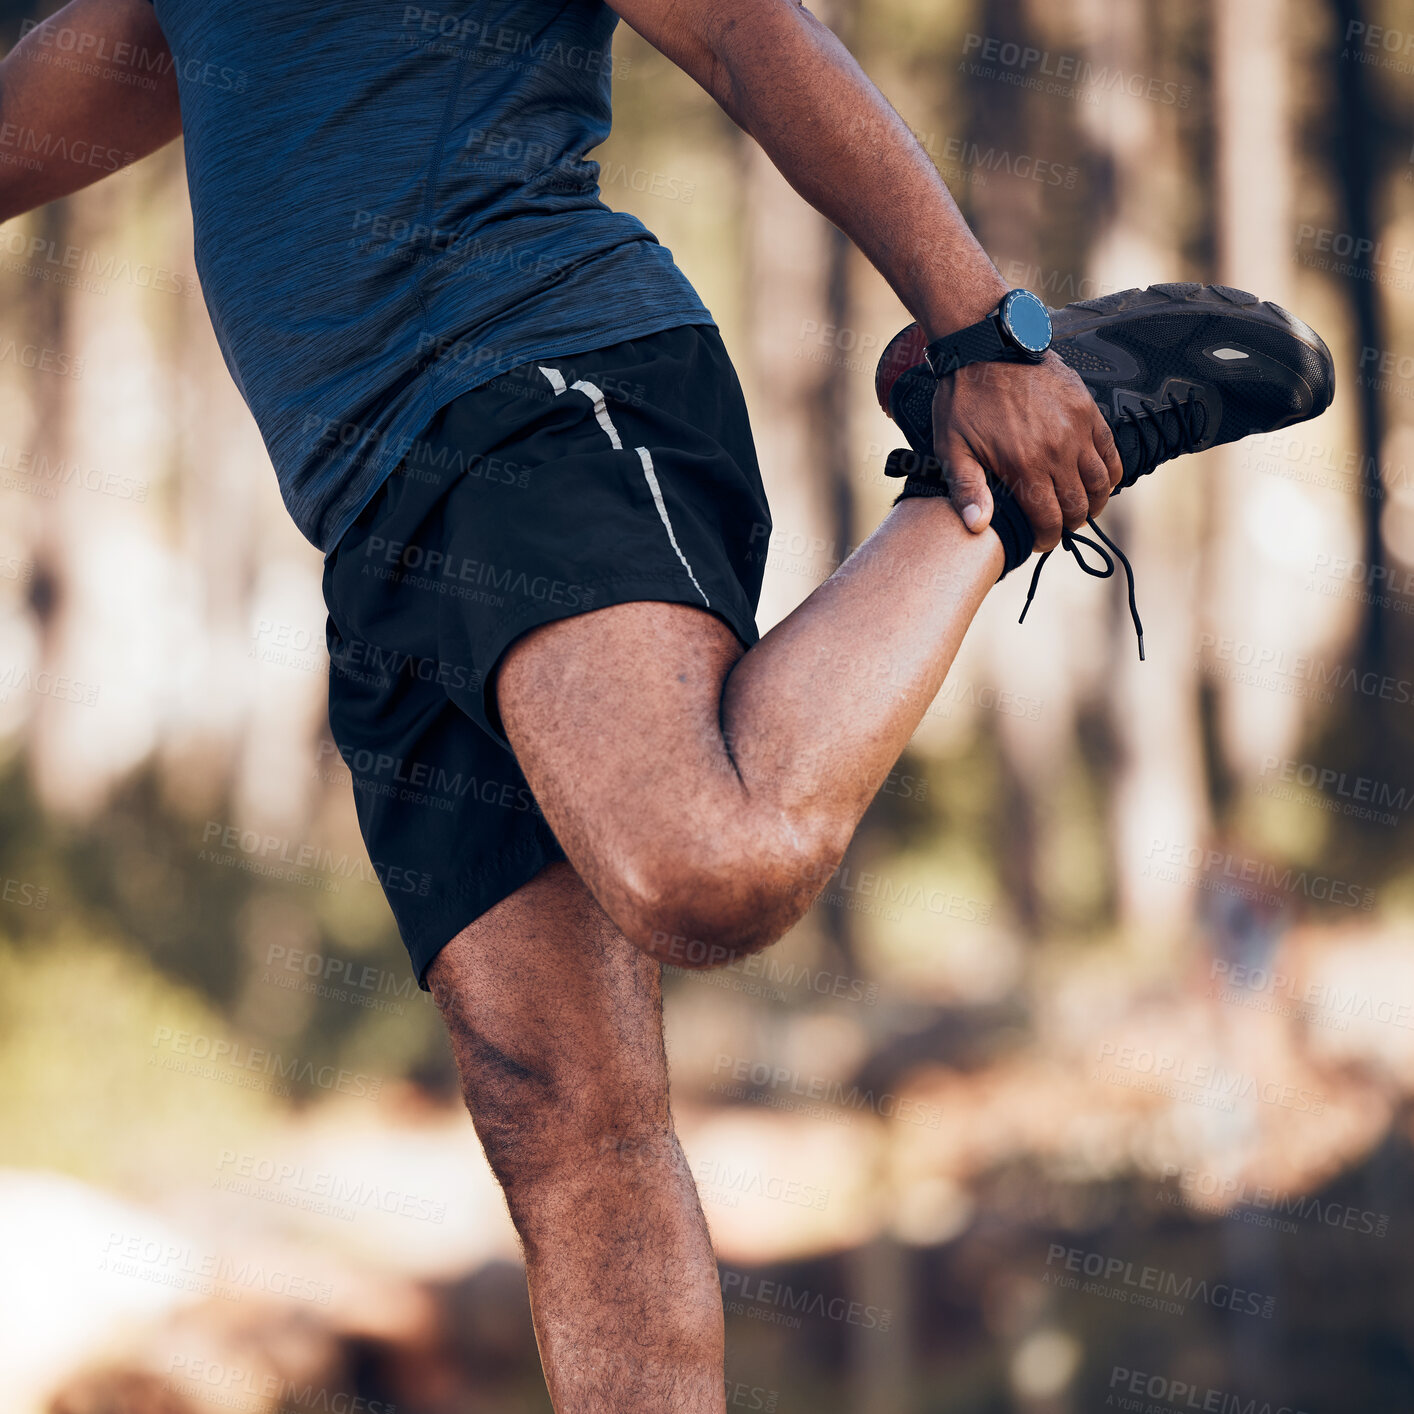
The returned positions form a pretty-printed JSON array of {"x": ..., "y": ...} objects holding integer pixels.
[
  {"x": 1043, "y": 510},
  {"x": 1105, "y": 446},
  {"x": 967, "y": 486},
  {"x": 1095, "y": 477},
  {"x": 1073, "y": 499}
]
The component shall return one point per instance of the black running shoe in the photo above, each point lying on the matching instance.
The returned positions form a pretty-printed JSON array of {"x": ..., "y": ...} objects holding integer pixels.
[{"x": 1174, "y": 368}]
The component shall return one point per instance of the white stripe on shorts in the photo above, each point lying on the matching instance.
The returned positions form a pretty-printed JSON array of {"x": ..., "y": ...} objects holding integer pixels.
[
  {"x": 601, "y": 413},
  {"x": 651, "y": 477}
]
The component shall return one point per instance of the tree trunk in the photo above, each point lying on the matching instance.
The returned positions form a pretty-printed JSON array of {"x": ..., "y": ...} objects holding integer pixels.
[{"x": 1158, "y": 795}]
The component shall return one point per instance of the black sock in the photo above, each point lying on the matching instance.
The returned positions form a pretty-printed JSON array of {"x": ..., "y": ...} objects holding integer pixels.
[{"x": 924, "y": 477}]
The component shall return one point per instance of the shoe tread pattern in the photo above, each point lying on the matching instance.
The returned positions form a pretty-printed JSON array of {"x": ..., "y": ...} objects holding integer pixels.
[
  {"x": 1239, "y": 297},
  {"x": 1181, "y": 290}
]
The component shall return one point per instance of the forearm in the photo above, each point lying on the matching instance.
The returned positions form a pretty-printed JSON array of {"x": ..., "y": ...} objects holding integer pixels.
[
  {"x": 790, "y": 83},
  {"x": 68, "y": 119}
]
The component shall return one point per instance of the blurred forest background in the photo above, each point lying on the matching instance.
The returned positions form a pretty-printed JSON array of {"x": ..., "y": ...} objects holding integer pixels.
[{"x": 1087, "y": 1085}]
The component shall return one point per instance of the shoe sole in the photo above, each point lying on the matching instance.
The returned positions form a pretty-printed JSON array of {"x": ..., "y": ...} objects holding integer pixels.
[{"x": 1072, "y": 321}]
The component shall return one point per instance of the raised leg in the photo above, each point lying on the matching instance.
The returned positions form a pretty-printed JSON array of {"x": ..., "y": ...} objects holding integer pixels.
[{"x": 705, "y": 794}]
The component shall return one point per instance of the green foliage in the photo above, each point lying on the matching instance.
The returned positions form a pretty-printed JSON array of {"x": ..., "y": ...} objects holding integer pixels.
[{"x": 80, "y": 1025}]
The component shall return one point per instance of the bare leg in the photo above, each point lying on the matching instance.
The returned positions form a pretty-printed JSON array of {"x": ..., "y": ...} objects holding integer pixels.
[
  {"x": 703, "y": 789},
  {"x": 556, "y": 1023},
  {"x": 705, "y": 794},
  {"x": 818, "y": 712}
]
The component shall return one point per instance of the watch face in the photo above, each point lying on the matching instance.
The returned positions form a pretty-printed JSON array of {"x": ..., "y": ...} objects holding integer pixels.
[{"x": 1026, "y": 321}]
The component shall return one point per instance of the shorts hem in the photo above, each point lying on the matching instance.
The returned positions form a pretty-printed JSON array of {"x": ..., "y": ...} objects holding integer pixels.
[
  {"x": 617, "y": 589},
  {"x": 484, "y": 884}
]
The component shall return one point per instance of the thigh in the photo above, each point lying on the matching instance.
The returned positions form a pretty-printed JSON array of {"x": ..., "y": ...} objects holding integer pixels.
[
  {"x": 601, "y": 514},
  {"x": 555, "y": 1020},
  {"x": 636, "y": 481},
  {"x": 615, "y": 718}
]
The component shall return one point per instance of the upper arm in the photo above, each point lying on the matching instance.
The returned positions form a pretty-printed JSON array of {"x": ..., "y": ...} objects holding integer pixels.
[
  {"x": 72, "y": 116},
  {"x": 674, "y": 27},
  {"x": 692, "y": 33}
]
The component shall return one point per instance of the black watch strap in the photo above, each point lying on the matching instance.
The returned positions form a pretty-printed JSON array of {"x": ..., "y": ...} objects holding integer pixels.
[{"x": 978, "y": 343}]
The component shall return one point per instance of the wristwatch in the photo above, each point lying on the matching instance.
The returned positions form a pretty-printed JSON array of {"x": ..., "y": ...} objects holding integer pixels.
[{"x": 1017, "y": 331}]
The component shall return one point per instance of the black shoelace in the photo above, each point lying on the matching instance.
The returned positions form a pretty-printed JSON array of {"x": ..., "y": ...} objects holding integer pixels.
[
  {"x": 1072, "y": 543},
  {"x": 1171, "y": 436},
  {"x": 1170, "y": 439}
]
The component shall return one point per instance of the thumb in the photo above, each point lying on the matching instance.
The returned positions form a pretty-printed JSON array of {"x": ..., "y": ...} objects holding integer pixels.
[{"x": 967, "y": 487}]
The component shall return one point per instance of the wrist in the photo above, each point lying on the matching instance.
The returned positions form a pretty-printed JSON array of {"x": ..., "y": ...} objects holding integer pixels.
[
  {"x": 1019, "y": 331},
  {"x": 952, "y": 308}
]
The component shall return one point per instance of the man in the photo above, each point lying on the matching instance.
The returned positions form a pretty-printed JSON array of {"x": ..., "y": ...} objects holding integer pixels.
[{"x": 509, "y": 423}]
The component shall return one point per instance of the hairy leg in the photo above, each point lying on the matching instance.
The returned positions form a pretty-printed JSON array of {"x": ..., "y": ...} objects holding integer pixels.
[
  {"x": 556, "y": 1024},
  {"x": 704, "y": 794}
]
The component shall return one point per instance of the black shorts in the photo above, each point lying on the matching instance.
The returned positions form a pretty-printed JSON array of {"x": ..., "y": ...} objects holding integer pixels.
[{"x": 565, "y": 485}]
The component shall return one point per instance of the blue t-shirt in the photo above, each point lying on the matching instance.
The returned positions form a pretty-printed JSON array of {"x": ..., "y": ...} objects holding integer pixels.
[{"x": 392, "y": 207}]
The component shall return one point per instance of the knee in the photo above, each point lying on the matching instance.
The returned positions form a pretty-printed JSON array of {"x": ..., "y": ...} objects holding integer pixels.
[
  {"x": 542, "y": 1123},
  {"x": 555, "y": 1159},
  {"x": 707, "y": 903}
]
